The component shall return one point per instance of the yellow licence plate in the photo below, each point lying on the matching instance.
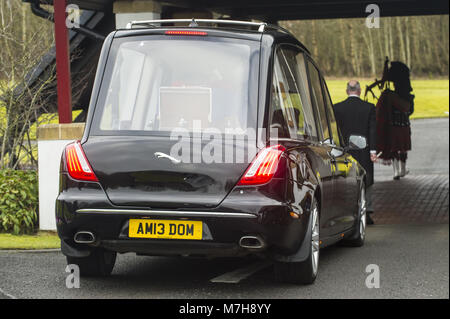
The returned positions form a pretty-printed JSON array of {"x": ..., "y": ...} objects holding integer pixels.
[{"x": 167, "y": 229}]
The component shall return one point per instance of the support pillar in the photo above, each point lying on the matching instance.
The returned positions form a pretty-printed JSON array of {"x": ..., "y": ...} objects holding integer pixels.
[{"x": 64, "y": 89}]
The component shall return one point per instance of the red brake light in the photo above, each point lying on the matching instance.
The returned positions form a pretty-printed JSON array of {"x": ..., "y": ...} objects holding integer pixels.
[
  {"x": 185, "y": 32},
  {"x": 77, "y": 163},
  {"x": 263, "y": 166}
]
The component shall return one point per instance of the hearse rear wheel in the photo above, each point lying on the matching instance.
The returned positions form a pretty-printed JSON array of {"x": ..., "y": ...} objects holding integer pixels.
[
  {"x": 304, "y": 272},
  {"x": 98, "y": 264}
]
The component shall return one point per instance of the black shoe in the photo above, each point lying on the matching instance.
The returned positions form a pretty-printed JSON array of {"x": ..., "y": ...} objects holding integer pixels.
[{"x": 369, "y": 219}]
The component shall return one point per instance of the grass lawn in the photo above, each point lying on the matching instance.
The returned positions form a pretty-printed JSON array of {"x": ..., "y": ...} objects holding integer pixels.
[
  {"x": 432, "y": 96},
  {"x": 42, "y": 240}
]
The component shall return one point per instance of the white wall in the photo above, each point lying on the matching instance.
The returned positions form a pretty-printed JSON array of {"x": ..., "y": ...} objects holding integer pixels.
[
  {"x": 49, "y": 157},
  {"x": 123, "y": 18}
]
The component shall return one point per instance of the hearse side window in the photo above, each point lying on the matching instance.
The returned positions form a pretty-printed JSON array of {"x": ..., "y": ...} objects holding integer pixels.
[
  {"x": 317, "y": 98},
  {"x": 282, "y": 115},
  {"x": 302, "y": 80},
  {"x": 336, "y": 136},
  {"x": 288, "y": 112}
]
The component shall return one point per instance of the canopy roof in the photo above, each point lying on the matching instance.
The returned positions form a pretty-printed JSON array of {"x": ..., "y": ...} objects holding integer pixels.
[{"x": 276, "y": 10}]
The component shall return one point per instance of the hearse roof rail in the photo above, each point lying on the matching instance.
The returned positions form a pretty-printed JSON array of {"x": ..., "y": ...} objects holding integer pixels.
[{"x": 194, "y": 23}]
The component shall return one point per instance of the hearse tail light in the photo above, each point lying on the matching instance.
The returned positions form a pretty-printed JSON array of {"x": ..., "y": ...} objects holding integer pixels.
[
  {"x": 77, "y": 163},
  {"x": 185, "y": 32},
  {"x": 263, "y": 167}
]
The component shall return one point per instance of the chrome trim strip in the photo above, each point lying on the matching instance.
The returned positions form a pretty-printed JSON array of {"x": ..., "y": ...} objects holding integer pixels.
[{"x": 163, "y": 213}]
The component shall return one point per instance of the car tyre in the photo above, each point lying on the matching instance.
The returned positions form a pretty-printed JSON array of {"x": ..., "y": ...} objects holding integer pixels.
[
  {"x": 304, "y": 272},
  {"x": 357, "y": 240},
  {"x": 98, "y": 264}
]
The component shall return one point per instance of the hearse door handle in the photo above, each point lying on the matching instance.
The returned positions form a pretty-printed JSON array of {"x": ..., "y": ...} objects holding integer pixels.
[{"x": 332, "y": 158}]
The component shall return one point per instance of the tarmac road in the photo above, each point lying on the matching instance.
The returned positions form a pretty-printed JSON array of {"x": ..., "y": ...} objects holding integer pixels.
[
  {"x": 413, "y": 260},
  {"x": 430, "y": 146}
]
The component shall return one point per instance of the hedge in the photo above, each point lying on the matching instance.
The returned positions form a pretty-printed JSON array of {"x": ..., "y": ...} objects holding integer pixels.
[{"x": 18, "y": 201}]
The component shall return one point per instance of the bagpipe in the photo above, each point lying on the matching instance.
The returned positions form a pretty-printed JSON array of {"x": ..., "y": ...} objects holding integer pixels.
[{"x": 381, "y": 84}]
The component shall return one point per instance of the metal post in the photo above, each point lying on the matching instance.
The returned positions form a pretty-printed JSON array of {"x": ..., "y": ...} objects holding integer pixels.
[{"x": 62, "y": 63}]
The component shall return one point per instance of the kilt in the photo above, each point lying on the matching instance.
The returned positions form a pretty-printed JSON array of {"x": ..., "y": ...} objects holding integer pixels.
[{"x": 392, "y": 137}]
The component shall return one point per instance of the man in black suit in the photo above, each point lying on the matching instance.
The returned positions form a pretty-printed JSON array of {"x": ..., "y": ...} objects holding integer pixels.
[{"x": 357, "y": 117}]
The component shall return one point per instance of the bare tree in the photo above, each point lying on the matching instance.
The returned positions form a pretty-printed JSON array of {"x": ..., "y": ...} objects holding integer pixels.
[
  {"x": 345, "y": 47},
  {"x": 20, "y": 103},
  {"x": 27, "y": 89}
]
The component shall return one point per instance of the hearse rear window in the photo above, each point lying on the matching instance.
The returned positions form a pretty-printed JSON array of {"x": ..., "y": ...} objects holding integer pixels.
[{"x": 194, "y": 83}]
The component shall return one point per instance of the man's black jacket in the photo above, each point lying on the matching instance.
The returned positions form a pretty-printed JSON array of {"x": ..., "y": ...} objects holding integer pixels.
[{"x": 357, "y": 117}]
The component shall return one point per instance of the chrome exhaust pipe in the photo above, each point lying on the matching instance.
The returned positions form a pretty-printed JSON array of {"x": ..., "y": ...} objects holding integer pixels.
[
  {"x": 84, "y": 237},
  {"x": 252, "y": 242}
]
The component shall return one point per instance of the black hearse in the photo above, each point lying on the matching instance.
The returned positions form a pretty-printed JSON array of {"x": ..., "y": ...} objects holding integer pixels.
[{"x": 209, "y": 138}]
